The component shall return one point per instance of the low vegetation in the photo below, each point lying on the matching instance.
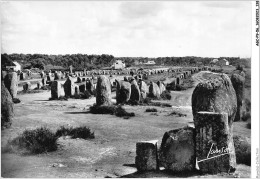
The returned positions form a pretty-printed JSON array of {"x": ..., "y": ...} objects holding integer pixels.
[
  {"x": 82, "y": 132},
  {"x": 61, "y": 98},
  {"x": 37, "y": 141},
  {"x": 118, "y": 111},
  {"x": 166, "y": 95},
  {"x": 16, "y": 100},
  {"x": 176, "y": 113},
  {"x": 151, "y": 110}
]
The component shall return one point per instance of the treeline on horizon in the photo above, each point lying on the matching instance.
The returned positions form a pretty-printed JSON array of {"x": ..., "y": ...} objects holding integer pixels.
[{"x": 81, "y": 61}]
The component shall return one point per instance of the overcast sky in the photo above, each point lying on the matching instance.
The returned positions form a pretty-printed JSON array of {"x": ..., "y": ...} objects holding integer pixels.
[{"x": 148, "y": 29}]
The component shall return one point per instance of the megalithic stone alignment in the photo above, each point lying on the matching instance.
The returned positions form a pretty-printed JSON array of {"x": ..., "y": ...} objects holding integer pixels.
[
  {"x": 215, "y": 150},
  {"x": 103, "y": 91}
]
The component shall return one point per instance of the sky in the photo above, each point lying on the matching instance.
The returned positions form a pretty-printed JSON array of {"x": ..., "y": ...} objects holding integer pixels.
[{"x": 127, "y": 28}]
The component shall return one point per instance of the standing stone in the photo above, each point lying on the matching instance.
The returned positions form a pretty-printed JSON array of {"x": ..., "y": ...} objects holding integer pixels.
[
  {"x": 76, "y": 90},
  {"x": 90, "y": 86},
  {"x": 4, "y": 73},
  {"x": 82, "y": 87},
  {"x": 123, "y": 92},
  {"x": 11, "y": 83},
  {"x": 103, "y": 91},
  {"x": 55, "y": 89},
  {"x": 177, "y": 151},
  {"x": 44, "y": 81},
  {"x": 57, "y": 76},
  {"x": 27, "y": 86},
  {"x": 161, "y": 87},
  {"x": 69, "y": 87},
  {"x": 215, "y": 95},
  {"x": 238, "y": 82},
  {"x": 22, "y": 76},
  {"x": 78, "y": 80},
  {"x": 39, "y": 85},
  {"x": 215, "y": 150},
  {"x": 7, "y": 111},
  {"x": 146, "y": 156},
  {"x": 154, "y": 91},
  {"x": 48, "y": 78},
  {"x": 143, "y": 89},
  {"x": 178, "y": 80},
  {"x": 135, "y": 92},
  {"x": 71, "y": 69}
]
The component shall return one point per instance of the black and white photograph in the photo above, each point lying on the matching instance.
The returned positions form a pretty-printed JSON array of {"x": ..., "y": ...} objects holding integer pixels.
[{"x": 129, "y": 89}]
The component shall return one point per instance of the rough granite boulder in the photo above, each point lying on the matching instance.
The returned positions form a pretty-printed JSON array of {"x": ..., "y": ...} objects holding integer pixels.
[
  {"x": 154, "y": 91},
  {"x": 103, "y": 90},
  {"x": 11, "y": 83},
  {"x": 135, "y": 92},
  {"x": 69, "y": 87},
  {"x": 7, "y": 111},
  {"x": 123, "y": 91},
  {"x": 27, "y": 86},
  {"x": 215, "y": 150},
  {"x": 144, "y": 90},
  {"x": 56, "y": 89},
  {"x": 161, "y": 86},
  {"x": 177, "y": 152},
  {"x": 90, "y": 86},
  {"x": 146, "y": 156},
  {"x": 238, "y": 82},
  {"x": 215, "y": 95}
]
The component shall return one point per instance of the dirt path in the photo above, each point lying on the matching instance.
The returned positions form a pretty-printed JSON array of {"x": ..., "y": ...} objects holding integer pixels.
[{"x": 110, "y": 154}]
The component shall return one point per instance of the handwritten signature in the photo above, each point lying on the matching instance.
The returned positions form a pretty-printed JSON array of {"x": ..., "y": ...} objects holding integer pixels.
[{"x": 219, "y": 152}]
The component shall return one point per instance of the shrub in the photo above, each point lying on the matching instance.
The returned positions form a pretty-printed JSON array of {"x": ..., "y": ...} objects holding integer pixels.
[
  {"x": 243, "y": 150},
  {"x": 180, "y": 88},
  {"x": 178, "y": 114},
  {"x": 166, "y": 95},
  {"x": 81, "y": 132},
  {"x": 121, "y": 112},
  {"x": 38, "y": 140},
  {"x": 151, "y": 110},
  {"x": 113, "y": 110},
  {"x": 16, "y": 100},
  {"x": 61, "y": 98},
  {"x": 95, "y": 109},
  {"x": 246, "y": 116}
]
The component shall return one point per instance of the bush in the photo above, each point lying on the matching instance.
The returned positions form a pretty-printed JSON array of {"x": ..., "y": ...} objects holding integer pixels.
[
  {"x": 16, "y": 100},
  {"x": 113, "y": 110},
  {"x": 180, "y": 88},
  {"x": 178, "y": 114},
  {"x": 243, "y": 150},
  {"x": 121, "y": 112},
  {"x": 38, "y": 140},
  {"x": 246, "y": 116},
  {"x": 151, "y": 110},
  {"x": 95, "y": 109},
  {"x": 85, "y": 95},
  {"x": 61, "y": 98},
  {"x": 166, "y": 95}
]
